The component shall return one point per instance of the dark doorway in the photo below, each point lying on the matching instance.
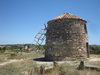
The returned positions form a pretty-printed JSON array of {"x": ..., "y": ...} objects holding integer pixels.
[{"x": 88, "y": 54}]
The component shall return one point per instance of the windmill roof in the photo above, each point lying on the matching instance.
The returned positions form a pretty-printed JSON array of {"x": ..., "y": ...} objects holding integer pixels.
[{"x": 68, "y": 16}]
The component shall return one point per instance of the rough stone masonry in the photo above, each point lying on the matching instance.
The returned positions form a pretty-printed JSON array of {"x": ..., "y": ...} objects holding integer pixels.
[{"x": 66, "y": 38}]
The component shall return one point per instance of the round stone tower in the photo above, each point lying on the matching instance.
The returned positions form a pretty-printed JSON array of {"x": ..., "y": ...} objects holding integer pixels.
[{"x": 66, "y": 38}]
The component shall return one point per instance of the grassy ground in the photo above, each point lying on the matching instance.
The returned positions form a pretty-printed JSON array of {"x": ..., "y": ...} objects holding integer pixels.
[
  {"x": 24, "y": 55},
  {"x": 3, "y": 57},
  {"x": 67, "y": 69},
  {"x": 17, "y": 68},
  {"x": 26, "y": 67},
  {"x": 94, "y": 60}
]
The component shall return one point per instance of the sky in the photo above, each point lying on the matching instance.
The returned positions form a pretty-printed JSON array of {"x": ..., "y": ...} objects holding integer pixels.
[{"x": 21, "y": 20}]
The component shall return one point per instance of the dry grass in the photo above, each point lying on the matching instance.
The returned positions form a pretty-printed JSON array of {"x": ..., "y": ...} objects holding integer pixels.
[
  {"x": 66, "y": 69},
  {"x": 27, "y": 66},
  {"x": 17, "y": 68},
  {"x": 93, "y": 60},
  {"x": 5, "y": 56}
]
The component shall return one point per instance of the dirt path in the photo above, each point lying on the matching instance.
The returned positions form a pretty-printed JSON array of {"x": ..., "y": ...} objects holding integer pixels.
[
  {"x": 10, "y": 61},
  {"x": 93, "y": 59},
  {"x": 48, "y": 64}
]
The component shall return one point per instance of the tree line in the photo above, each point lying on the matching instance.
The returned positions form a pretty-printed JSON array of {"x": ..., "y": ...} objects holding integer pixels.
[{"x": 94, "y": 49}]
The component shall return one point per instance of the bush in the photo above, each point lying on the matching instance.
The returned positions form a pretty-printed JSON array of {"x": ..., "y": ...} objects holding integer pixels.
[
  {"x": 94, "y": 49},
  {"x": 12, "y": 56}
]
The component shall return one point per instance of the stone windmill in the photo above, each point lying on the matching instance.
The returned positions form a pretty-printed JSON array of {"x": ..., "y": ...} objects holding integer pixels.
[{"x": 66, "y": 38}]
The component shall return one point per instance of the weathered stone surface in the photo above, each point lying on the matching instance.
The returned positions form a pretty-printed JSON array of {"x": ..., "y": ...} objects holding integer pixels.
[
  {"x": 81, "y": 65},
  {"x": 66, "y": 38}
]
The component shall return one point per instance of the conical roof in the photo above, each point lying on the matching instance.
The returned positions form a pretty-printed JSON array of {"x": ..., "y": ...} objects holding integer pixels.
[{"x": 67, "y": 16}]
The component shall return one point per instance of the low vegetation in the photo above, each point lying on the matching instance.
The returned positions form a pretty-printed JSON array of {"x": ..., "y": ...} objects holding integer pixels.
[
  {"x": 30, "y": 67},
  {"x": 94, "y": 49},
  {"x": 9, "y": 52},
  {"x": 63, "y": 69},
  {"x": 30, "y": 55},
  {"x": 66, "y": 69},
  {"x": 17, "y": 68}
]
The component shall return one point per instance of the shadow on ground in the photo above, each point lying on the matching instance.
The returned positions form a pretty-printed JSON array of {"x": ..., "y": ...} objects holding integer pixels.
[{"x": 42, "y": 59}]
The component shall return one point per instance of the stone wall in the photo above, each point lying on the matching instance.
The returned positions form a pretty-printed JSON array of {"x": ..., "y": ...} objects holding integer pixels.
[{"x": 66, "y": 39}]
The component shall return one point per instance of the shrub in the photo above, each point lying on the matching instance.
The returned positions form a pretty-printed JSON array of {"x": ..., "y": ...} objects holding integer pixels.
[
  {"x": 12, "y": 55},
  {"x": 94, "y": 49}
]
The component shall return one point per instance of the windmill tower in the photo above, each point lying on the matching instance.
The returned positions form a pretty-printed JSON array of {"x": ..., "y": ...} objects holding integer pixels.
[{"x": 66, "y": 38}]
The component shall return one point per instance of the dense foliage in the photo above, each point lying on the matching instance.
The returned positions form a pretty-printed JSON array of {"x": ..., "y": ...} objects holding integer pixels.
[{"x": 94, "y": 49}]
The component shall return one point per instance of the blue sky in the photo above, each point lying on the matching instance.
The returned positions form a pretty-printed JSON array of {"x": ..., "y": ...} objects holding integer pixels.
[{"x": 20, "y": 20}]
